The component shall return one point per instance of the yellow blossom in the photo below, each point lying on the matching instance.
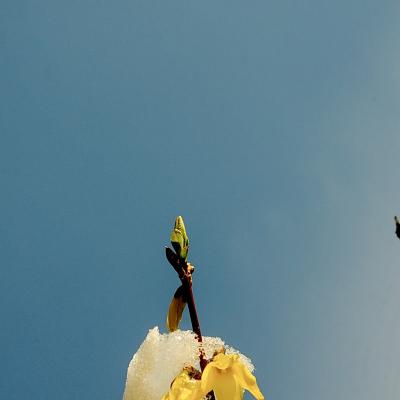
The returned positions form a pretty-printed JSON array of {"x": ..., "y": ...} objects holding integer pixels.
[
  {"x": 225, "y": 375},
  {"x": 228, "y": 377},
  {"x": 185, "y": 386}
]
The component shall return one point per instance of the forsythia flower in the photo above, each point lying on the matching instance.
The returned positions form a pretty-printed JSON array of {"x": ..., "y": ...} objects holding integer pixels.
[
  {"x": 184, "y": 386},
  {"x": 225, "y": 375}
]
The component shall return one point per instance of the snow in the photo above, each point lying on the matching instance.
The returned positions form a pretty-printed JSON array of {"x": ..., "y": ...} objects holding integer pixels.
[{"x": 160, "y": 359}]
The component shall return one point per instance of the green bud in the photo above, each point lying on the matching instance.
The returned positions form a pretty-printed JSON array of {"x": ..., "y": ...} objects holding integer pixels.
[{"x": 179, "y": 238}]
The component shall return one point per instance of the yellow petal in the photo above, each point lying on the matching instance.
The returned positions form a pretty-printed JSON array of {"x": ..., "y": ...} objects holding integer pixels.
[
  {"x": 208, "y": 378},
  {"x": 184, "y": 388},
  {"x": 223, "y": 361},
  {"x": 246, "y": 379},
  {"x": 227, "y": 376},
  {"x": 217, "y": 376},
  {"x": 223, "y": 384},
  {"x": 175, "y": 310}
]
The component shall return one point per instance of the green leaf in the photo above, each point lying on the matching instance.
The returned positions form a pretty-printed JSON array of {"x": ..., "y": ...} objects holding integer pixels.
[{"x": 175, "y": 310}]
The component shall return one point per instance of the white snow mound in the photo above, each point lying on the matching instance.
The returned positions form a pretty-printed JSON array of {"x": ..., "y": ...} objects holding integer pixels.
[{"x": 160, "y": 359}]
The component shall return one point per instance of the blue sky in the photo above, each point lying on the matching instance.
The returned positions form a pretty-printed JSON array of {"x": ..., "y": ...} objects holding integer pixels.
[{"x": 272, "y": 127}]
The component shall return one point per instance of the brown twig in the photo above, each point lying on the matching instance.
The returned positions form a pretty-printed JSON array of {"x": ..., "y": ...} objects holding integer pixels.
[
  {"x": 184, "y": 271},
  {"x": 185, "y": 275}
]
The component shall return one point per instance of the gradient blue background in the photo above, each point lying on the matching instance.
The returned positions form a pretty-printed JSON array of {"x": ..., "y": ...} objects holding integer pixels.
[{"x": 273, "y": 127}]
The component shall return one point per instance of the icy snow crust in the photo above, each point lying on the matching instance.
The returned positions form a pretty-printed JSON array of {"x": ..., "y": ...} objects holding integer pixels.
[{"x": 161, "y": 357}]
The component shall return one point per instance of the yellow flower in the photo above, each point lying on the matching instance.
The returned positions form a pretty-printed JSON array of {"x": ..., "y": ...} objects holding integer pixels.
[
  {"x": 228, "y": 377},
  {"x": 185, "y": 386},
  {"x": 225, "y": 375}
]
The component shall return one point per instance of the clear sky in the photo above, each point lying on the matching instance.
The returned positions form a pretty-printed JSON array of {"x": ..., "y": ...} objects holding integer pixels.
[{"x": 273, "y": 127}]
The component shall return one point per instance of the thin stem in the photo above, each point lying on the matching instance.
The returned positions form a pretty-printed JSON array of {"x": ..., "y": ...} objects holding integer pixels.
[
  {"x": 187, "y": 285},
  {"x": 185, "y": 275},
  {"x": 194, "y": 319}
]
